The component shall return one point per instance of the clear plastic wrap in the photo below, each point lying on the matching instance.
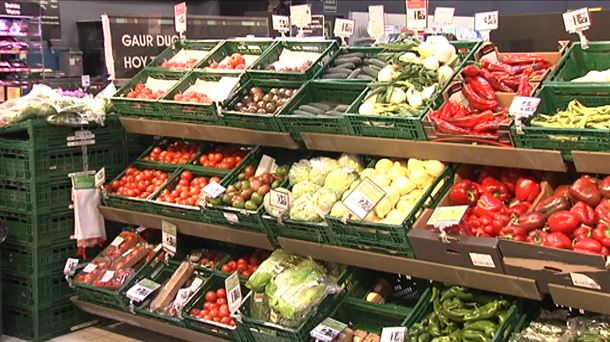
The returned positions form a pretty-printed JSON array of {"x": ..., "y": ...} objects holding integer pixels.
[{"x": 275, "y": 264}]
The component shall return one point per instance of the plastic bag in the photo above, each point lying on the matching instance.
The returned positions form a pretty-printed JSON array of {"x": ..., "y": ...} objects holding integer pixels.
[{"x": 275, "y": 264}]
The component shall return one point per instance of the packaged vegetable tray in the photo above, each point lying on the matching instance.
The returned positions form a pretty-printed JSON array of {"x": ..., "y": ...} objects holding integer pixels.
[
  {"x": 325, "y": 49},
  {"x": 250, "y": 50},
  {"x": 183, "y": 55},
  {"x": 574, "y": 135},
  {"x": 577, "y": 62},
  {"x": 319, "y": 107}
]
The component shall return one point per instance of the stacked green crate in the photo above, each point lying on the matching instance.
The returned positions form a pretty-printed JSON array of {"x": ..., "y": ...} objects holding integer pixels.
[{"x": 35, "y": 195}]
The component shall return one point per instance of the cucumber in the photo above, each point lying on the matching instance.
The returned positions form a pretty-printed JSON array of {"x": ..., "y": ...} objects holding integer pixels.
[
  {"x": 341, "y": 108},
  {"x": 365, "y": 77},
  {"x": 354, "y": 73},
  {"x": 338, "y": 70},
  {"x": 335, "y": 75},
  {"x": 353, "y": 54},
  {"x": 311, "y": 109},
  {"x": 349, "y": 65},
  {"x": 302, "y": 112},
  {"x": 376, "y": 62},
  {"x": 370, "y": 72},
  {"x": 320, "y": 105},
  {"x": 333, "y": 113},
  {"x": 357, "y": 61}
]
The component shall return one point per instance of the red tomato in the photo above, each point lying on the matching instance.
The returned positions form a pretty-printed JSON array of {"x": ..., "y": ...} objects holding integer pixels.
[
  {"x": 221, "y": 293},
  {"x": 221, "y": 301},
  {"x": 226, "y": 268},
  {"x": 210, "y": 296},
  {"x": 195, "y": 312},
  {"x": 225, "y": 320},
  {"x": 224, "y": 312}
]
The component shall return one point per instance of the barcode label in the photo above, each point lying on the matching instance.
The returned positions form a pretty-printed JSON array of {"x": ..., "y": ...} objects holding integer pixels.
[
  {"x": 394, "y": 334},
  {"x": 117, "y": 241},
  {"x": 89, "y": 268},
  {"x": 582, "y": 280},
  {"x": 140, "y": 291},
  {"x": 107, "y": 276},
  {"x": 233, "y": 292},
  {"x": 70, "y": 266}
]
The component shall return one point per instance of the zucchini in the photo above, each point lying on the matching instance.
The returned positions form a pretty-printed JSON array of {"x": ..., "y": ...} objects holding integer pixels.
[
  {"x": 354, "y": 73},
  {"x": 365, "y": 77},
  {"x": 341, "y": 108},
  {"x": 311, "y": 109},
  {"x": 370, "y": 72},
  {"x": 320, "y": 105},
  {"x": 340, "y": 60},
  {"x": 376, "y": 62},
  {"x": 302, "y": 112},
  {"x": 360, "y": 55},
  {"x": 337, "y": 70},
  {"x": 333, "y": 113},
  {"x": 349, "y": 65},
  {"x": 336, "y": 75}
]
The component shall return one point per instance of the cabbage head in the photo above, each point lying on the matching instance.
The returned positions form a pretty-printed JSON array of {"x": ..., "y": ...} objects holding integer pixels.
[
  {"x": 304, "y": 188},
  {"x": 351, "y": 162},
  {"x": 340, "y": 180},
  {"x": 324, "y": 199},
  {"x": 320, "y": 167},
  {"x": 299, "y": 172},
  {"x": 304, "y": 209}
]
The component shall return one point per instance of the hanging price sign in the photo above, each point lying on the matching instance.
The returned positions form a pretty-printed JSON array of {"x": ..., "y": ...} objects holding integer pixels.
[
  {"x": 279, "y": 200},
  {"x": 344, "y": 27},
  {"x": 417, "y": 14},
  {"x": 70, "y": 267},
  {"x": 363, "y": 199},
  {"x": 281, "y": 23},
  {"x": 169, "y": 237},
  {"x": 233, "y": 292},
  {"x": 180, "y": 17},
  {"x": 577, "y": 20},
  {"x": 300, "y": 15},
  {"x": 443, "y": 16},
  {"x": 486, "y": 21},
  {"x": 524, "y": 106},
  {"x": 376, "y": 26},
  {"x": 394, "y": 334},
  {"x": 85, "y": 81},
  {"x": 140, "y": 291}
]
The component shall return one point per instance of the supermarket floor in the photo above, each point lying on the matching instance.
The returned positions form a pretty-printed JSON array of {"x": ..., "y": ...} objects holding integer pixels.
[{"x": 111, "y": 333}]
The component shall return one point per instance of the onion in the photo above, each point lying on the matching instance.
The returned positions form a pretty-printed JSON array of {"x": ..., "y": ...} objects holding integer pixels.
[
  {"x": 386, "y": 74},
  {"x": 398, "y": 96},
  {"x": 445, "y": 73},
  {"x": 431, "y": 63},
  {"x": 444, "y": 52}
]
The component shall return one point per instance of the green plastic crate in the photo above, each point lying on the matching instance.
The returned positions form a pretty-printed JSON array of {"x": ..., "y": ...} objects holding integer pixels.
[
  {"x": 229, "y": 47},
  {"x": 556, "y": 97},
  {"x": 318, "y": 232},
  {"x": 386, "y": 238},
  {"x": 27, "y": 260},
  {"x": 191, "y": 112},
  {"x": 38, "y": 230},
  {"x": 215, "y": 282},
  {"x": 326, "y": 48},
  {"x": 576, "y": 62},
  {"x": 261, "y": 122},
  {"x": 35, "y": 198},
  {"x": 369, "y": 317},
  {"x": 41, "y": 325},
  {"x": 319, "y": 91},
  {"x": 367, "y": 50},
  {"x": 143, "y": 108},
  {"x": 167, "y": 54},
  {"x": 34, "y": 291}
]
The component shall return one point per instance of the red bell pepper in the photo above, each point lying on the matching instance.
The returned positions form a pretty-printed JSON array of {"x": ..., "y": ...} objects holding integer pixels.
[
  {"x": 603, "y": 211},
  {"x": 482, "y": 87},
  {"x": 518, "y": 208},
  {"x": 563, "y": 222},
  {"x": 471, "y": 70},
  {"x": 495, "y": 187},
  {"x": 557, "y": 240},
  {"x": 604, "y": 187},
  {"x": 588, "y": 245},
  {"x": 464, "y": 192},
  {"x": 476, "y": 101},
  {"x": 499, "y": 220},
  {"x": 509, "y": 177},
  {"x": 536, "y": 237},
  {"x": 512, "y": 233},
  {"x": 582, "y": 232},
  {"x": 585, "y": 213},
  {"x": 527, "y": 189},
  {"x": 487, "y": 205},
  {"x": 531, "y": 221},
  {"x": 585, "y": 189},
  {"x": 601, "y": 233},
  {"x": 562, "y": 190},
  {"x": 553, "y": 204}
]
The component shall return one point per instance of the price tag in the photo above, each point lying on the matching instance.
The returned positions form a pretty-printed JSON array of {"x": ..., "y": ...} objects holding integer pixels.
[
  {"x": 85, "y": 81},
  {"x": 100, "y": 177},
  {"x": 327, "y": 330},
  {"x": 447, "y": 216},
  {"x": 140, "y": 291},
  {"x": 344, "y": 27},
  {"x": 233, "y": 292},
  {"x": 300, "y": 15},
  {"x": 281, "y": 23},
  {"x": 524, "y": 106},
  {"x": 583, "y": 280},
  {"x": 267, "y": 164},
  {"x": 443, "y": 16},
  {"x": 417, "y": 14},
  {"x": 107, "y": 276},
  {"x": 482, "y": 260},
  {"x": 169, "y": 236},
  {"x": 363, "y": 199},
  {"x": 394, "y": 334},
  {"x": 259, "y": 297},
  {"x": 70, "y": 266},
  {"x": 89, "y": 268},
  {"x": 117, "y": 241},
  {"x": 180, "y": 17},
  {"x": 376, "y": 26},
  {"x": 197, "y": 283},
  {"x": 486, "y": 21},
  {"x": 231, "y": 217},
  {"x": 577, "y": 20},
  {"x": 214, "y": 190},
  {"x": 279, "y": 200},
  {"x": 182, "y": 298}
]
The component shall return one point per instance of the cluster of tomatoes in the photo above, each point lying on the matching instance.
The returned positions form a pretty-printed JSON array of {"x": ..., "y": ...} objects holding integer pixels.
[
  {"x": 215, "y": 308},
  {"x": 234, "y": 62},
  {"x": 191, "y": 63},
  {"x": 223, "y": 157},
  {"x": 188, "y": 189},
  {"x": 138, "y": 183},
  {"x": 247, "y": 264},
  {"x": 210, "y": 258},
  {"x": 193, "y": 97},
  {"x": 142, "y": 92},
  {"x": 179, "y": 152}
]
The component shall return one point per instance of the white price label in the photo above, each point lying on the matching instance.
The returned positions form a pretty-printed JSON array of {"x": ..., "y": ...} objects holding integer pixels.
[
  {"x": 117, "y": 242},
  {"x": 482, "y": 260},
  {"x": 70, "y": 266},
  {"x": 140, "y": 291},
  {"x": 524, "y": 106},
  {"x": 300, "y": 15},
  {"x": 169, "y": 236},
  {"x": 583, "y": 280},
  {"x": 233, "y": 292},
  {"x": 259, "y": 297},
  {"x": 447, "y": 216},
  {"x": 197, "y": 283},
  {"x": 363, "y": 199},
  {"x": 279, "y": 200},
  {"x": 443, "y": 16},
  {"x": 344, "y": 27},
  {"x": 394, "y": 334},
  {"x": 214, "y": 190},
  {"x": 577, "y": 20},
  {"x": 231, "y": 217},
  {"x": 89, "y": 268},
  {"x": 417, "y": 14},
  {"x": 100, "y": 177},
  {"x": 85, "y": 81},
  {"x": 376, "y": 26},
  {"x": 180, "y": 17},
  {"x": 281, "y": 23},
  {"x": 327, "y": 330},
  {"x": 82, "y": 134},
  {"x": 267, "y": 164},
  {"x": 127, "y": 252},
  {"x": 182, "y": 298},
  {"x": 486, "y": 21},
  {"x": 107, "y": 276}
]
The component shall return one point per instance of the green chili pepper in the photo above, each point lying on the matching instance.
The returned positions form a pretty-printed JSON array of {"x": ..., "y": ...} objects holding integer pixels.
[
  {"x": 453, "y": 311},
  {"x": 457, "y": 291},
  {"x": 486, "y": 311},
  {"x": 502, "y": 316},
  {"x": 425, "y": 337},
  {"x": 488, "y": 327},
  {"x": 434, "y": 327},
  {"x": 474, "y": 336}
]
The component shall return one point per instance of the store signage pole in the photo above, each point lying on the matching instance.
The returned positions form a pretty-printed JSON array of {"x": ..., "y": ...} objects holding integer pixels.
[
  {"x": 578, "y": 21},
  {"x": 180, "y": 19},
  {"x": 485, "y": 22}
]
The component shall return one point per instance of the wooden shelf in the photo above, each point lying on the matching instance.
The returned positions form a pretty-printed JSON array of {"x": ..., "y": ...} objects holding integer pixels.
[
  {"x": 144, "y": 322},
  {"x": 199, "y": 229},
  {"x": 594, "y": 301},
  {"x": 591, "y": 162},
  {"x": 449, "y": 152},
  {"x": 495, "y": 282},
  {"x": 209, "y": 132}
]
